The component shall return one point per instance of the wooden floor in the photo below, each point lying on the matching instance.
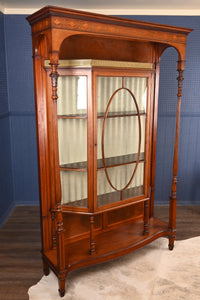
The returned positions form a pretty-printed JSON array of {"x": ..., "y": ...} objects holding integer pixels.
[{"x": 20, "y": 262}]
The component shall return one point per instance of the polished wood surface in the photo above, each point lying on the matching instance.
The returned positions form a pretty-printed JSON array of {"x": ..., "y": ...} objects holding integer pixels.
[
  {"x": 59, "y": 33},
  {"x": 20, "y": 259}
]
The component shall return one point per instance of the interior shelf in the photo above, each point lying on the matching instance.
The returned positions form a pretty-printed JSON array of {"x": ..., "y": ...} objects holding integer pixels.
[
  {"x": 117, "y": 114},
  {"x": 77, "y": 116},
  {"x": 110, "y": 244},
  {"x": 110, "y": 162},
  {"x": 108, "y": 198},
  {"x": 113, "y": 197}
]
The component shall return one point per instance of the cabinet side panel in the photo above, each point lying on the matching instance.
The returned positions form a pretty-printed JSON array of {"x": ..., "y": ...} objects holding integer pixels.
[{"x": 42, "y": 145}]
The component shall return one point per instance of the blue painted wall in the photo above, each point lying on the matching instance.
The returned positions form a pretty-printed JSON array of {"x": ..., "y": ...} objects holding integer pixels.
[
  {"x": 6, "y": 194},
  {"x": 22, "y": 109},
  {"x": 18, "y": 123},
  {"x": 189, "y": 158}
]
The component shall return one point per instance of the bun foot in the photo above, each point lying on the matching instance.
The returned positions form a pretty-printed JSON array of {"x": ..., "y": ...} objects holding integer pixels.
[{"x": 171, "y": 247}]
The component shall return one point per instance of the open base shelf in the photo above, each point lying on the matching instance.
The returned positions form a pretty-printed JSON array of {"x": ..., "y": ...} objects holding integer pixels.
[{"x": 109, "y": 244}]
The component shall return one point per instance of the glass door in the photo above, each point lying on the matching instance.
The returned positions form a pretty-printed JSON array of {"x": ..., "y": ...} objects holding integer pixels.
[
  {"x": 121, "y": 131},
  {"x": 72, "y": 139}
]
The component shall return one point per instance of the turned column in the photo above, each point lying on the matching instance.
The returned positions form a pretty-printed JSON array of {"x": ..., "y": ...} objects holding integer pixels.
[
  {"x": 92, "y": 242},
  {"x": 60, "y": 249},
  {"x": 54, "y": 58},
  {"x": 173, "y": 197},
  {"x": 146, "y": 217}
]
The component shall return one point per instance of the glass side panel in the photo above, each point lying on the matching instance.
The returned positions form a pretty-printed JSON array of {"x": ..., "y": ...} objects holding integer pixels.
[
  {"x": 120, "y": 137},
  {"x": 74, "y": 188},
  {"x": 72, "y": 139},
  {"x": 73, "y": 91}
]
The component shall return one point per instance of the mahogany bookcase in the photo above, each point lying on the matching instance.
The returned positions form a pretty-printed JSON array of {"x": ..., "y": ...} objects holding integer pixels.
[{"x": 96, "y": 93}]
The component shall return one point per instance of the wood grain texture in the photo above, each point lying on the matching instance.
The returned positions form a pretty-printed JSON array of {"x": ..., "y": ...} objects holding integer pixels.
[{"x": 20, "y": 259}]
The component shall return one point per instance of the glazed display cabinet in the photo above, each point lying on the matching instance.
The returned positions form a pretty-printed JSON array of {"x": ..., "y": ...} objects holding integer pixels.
[{"x": 96, "y": 90}]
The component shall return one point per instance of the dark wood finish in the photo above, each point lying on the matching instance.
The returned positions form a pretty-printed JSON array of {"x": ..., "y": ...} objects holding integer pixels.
[{"x": 59, "y": 33}]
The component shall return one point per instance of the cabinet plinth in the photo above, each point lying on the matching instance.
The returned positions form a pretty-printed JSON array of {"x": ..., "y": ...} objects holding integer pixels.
[{"x": 96, "y": 94}]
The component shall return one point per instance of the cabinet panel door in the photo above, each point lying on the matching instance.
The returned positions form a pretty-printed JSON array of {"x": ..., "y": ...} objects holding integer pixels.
[{"x": 121, "y": 137}]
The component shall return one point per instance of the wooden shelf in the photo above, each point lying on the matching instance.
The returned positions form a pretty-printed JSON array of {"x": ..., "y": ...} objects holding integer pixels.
[
  {"x": 108, "y": 198},
  {"x": 118, "y": 114},
  {"x": 110, "y": 162},
  {"x": 77, "y": 166},
  {"x": 113, "y": 197},
  {"x": 77, "y": 116},
  {"x": 119, "y": 160},
  {"x": 110, "y": 244}
]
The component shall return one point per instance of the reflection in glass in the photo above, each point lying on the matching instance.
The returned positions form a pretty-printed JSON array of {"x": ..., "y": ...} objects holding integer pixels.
[
  {"x": 72, "y": 139},
  {"x": 72, "y": 95}
]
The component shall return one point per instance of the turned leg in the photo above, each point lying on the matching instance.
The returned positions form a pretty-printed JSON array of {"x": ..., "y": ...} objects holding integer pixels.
[
  {"x": 172, "y": 223},
  {"x": 61, "y": 282},
  {"x": 45, "y": 268},
  {"x": 92, "y": 242},
  {"x": 171, "y": 243},
  {"x": 146, "y": 217}
]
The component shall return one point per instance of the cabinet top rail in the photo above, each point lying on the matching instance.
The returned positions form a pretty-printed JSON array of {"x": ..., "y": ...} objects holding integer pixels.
[{"x": 49, "y": 11}]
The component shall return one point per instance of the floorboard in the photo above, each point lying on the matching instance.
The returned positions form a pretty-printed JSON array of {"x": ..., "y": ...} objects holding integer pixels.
[{"x": 20, "y": 260}]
